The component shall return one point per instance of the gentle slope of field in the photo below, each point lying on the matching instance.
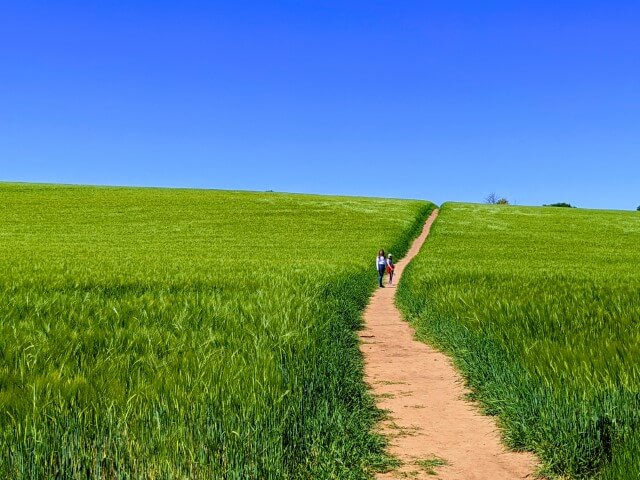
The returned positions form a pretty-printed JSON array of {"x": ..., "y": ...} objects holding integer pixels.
[
  {"x": 153, "y": 333},
  {"x": 539, "y": 308},
  {"x": 428, "y": 421}
]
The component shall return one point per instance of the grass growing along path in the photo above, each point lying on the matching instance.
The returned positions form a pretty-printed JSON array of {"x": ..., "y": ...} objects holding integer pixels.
[
  {"x": 428, "y": 421},
  {"x": 539, "y": 309},
  {"x": 156, "y": 333}
]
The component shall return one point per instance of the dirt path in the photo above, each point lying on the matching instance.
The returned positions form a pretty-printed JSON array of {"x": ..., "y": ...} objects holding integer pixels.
[{"x": 429, "y": 420}]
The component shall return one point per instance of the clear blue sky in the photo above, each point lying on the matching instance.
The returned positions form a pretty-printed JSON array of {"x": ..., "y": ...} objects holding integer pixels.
[{"x": 446, "y": 100}]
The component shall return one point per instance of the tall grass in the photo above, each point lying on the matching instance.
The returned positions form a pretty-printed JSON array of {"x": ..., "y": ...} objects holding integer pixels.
[
  {"x": 540, "y": 309},
  {"x": 153, "y": 333}
]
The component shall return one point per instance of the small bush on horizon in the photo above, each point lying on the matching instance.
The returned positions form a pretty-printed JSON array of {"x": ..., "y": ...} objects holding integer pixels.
[
  {"x": 559, "y": 204},
  {"x": 493, "y": 199}
]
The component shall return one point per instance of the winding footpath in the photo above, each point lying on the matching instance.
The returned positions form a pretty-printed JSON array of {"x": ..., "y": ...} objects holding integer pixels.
[{"x": 432, "y": 429}]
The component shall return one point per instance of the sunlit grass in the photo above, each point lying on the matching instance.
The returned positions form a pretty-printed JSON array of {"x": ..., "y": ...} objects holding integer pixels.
[
  {"x": 154, "y": 333},
  {"x": 540, "y": 308}
]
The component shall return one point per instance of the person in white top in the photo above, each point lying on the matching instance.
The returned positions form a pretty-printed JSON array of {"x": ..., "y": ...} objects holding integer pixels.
[
  {"x": 390, "y": 268},
  {"x": 381, "y": 265}
]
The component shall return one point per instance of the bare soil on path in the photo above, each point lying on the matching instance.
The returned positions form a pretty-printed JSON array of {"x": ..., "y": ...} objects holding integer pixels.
[{"x": 432, "y": 428}]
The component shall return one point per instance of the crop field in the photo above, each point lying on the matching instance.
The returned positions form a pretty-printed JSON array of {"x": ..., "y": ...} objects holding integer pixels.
[
  {"x": 540, "y": 308},
  {"x": 174, "y": 334}
]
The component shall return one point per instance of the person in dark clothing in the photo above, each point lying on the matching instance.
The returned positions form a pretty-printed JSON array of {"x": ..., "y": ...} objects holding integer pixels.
[{"x": 381, "y": 265}]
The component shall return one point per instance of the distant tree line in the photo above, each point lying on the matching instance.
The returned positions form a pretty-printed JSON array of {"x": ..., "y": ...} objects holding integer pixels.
[
  {"x": 559, "y": 204},
  {"x": 493, "y": 199}
]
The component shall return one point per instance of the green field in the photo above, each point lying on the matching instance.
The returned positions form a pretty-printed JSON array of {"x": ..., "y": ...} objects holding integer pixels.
[
  {"x": 540, "y": 308},
  {"x": 169, "y": 334}
]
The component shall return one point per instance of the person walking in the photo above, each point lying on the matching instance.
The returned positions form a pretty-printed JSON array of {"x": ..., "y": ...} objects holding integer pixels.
[
  {"x": 381, "y": 265},
  {"x": 390, "y": 268}
]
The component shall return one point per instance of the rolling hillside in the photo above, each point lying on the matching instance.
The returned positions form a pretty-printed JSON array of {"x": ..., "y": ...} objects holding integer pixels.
[
  {"x": 155, "y": 333},
  {"x": 540, "y": 309}
]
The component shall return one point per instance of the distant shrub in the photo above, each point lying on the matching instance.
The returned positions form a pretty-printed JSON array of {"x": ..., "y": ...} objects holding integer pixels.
[
  {"x": 560, "y": 204},
  {"x": 638, "y": 209},
  {"x": 491, "y": 199}
]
